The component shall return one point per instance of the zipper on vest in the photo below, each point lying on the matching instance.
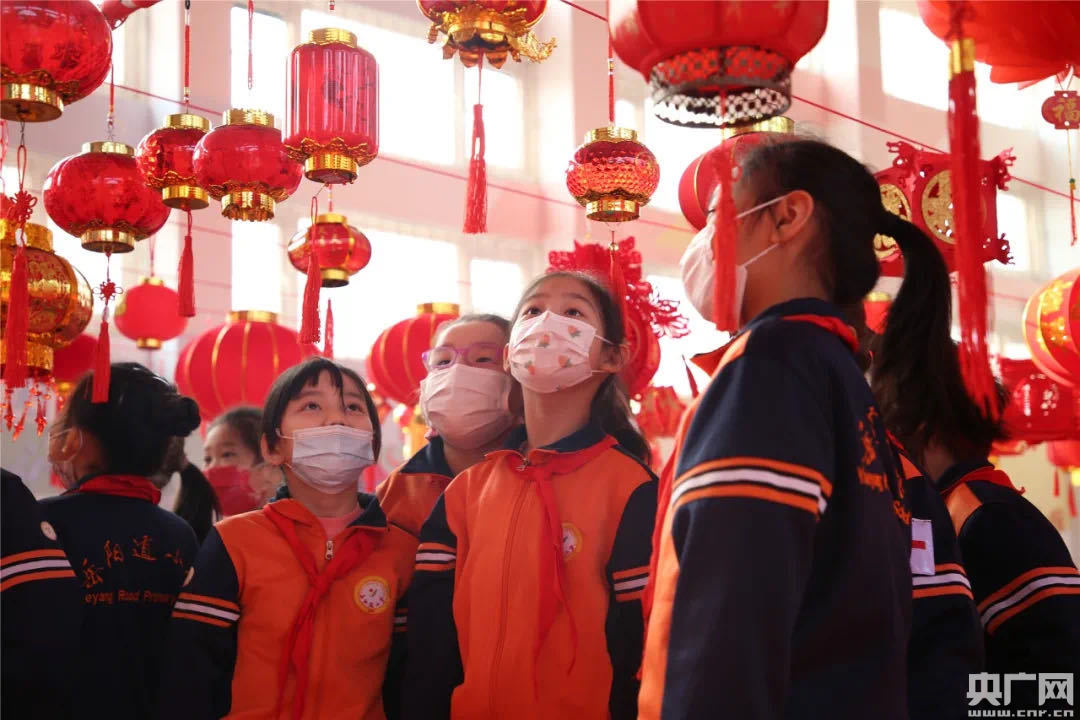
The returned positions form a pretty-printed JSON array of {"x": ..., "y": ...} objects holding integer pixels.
[
  {"x": 329, "y": 549},
  {"x": 500, "y": 637}
]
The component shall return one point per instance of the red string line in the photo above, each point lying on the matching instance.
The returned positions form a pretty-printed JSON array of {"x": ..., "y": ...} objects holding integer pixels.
[
  {"x": 585, "y": 10},
  {"x": 110, "y": 117},
  {"x": 610, "y": 80},
  {"x": 187, "y": 53},
  {"x": 151, "y": 245},
  {"x": 251, "y": 34}
]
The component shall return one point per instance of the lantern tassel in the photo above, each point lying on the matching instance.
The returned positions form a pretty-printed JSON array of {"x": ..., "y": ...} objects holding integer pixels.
[
  {"x": 476, "y": 190},
  {"x": 328, "y": 336},
  {"x": 102, "y": 363},
  {"x": 1072, "y": 500},
  {"x": 618, "y": 280},
  {"x": 186, "y": 273},
  {"x": 309, "y": 320},
  {"x": 18, "y": 319},
  {"x": 724, "y": 250},
  {"x": 964, "y": 145},
  {"x": 1057, "y": 483}
]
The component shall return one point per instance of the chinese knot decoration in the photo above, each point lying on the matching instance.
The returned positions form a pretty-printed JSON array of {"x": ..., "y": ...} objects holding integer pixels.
[
  {"x": 494, "y": 29},
  {"x": 1051, "y": 327},
  {"x": 918, "y": 187},
  {"x": 244, "y": 164},
  {"x": 333, "y": 106},
  {"x": 99, "y": 197},
  {"x": 612, "y": 175},
  {"x": 54, "y": 52},
  {"x": 396, "y": 365},
  {"x": 716, "y": 64},
  {"x": 149, "y": 314}
]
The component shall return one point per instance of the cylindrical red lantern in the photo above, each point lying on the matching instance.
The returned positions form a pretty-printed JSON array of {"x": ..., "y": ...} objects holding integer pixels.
[
  {"x": 612, "y": 175},
  {"x": 333, "y": 106},
  {"x": 149, "y": 314},
  {"x": 99, "y": 197},
  {"x": 53, "y": 53},
  {"x": 492, "y": 29},
  {"x": 244, "y": 164},
  {"x": 395, "y": 365},
  {"x": 165, "y": 158},
  {"x": 716, "y": 64},
  {"x": 70, "y": 363},
  {"x": 236, "y": 363},
  {"x": 1051, "y": 321},
  {"x": 341, "y": 249}
]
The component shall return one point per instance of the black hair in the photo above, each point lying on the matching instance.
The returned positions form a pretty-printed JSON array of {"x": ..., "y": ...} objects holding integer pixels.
[
  {"x": 197, "y": 503},
  {"x": 497, "y": 320},
  {"x": 292, "y": 381},
  {"x": 135, "y": 426},
  {"x": 247, "y": 422},
  {"x": 610, "y": 407}
]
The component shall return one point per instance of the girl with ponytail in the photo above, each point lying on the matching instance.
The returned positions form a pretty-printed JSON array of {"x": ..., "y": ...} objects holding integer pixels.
[{"x": 781, "y": 582}]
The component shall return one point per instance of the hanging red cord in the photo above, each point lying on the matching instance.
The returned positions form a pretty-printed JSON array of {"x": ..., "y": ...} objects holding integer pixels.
[
  {"x": 476, "y": 185},
  {"x": 110, "y": 117},
  {"x": 186, "y": 274},
  {"x": 610, "y": 80},
  {"x": 309, "y": 317},
  {"x": 102, "y": 370},
  {"x": 187, "y": 55},
  {"x": 251, "y": 36},
  {"x": 18, "y": 312}
]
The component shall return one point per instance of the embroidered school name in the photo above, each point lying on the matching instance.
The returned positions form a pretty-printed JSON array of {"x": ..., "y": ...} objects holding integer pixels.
[{"x": 134, "y": 597}]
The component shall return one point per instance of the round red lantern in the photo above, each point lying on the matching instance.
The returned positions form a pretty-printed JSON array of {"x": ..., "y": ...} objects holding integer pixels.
[
  {"x": 149, "y": 314},
  {"x": 395, "y": 365},
  {"x": 1064, "y": 454},
  {"x": 1039, "y": 408},
  {"x": 244, "y": 164},
  {"x": 333, "y": 106},
  {"x": 165, "y": 158},
  {"x": 1051, "y": 321},
  {"x": 70, "y": 363},
  {"x": 494, "y": 29},
  {"x": 340, "y": 249},
  {"x": 53, "y": 53},
  {"x": 99, "y": 197},
  {"x": 612, "y": 175},
  {"x": 236, "y": 363},
  {"x": 716, "y": 64}
]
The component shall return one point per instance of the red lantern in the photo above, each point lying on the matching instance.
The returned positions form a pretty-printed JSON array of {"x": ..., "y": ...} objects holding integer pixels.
[
  {"x": 494, "y": 29},
  {"x": 1051, "y": 323},
  {"x": 54, "y": 52},
  {"x": 70, "y": 363},
  {"x": 117, "y": 11},
  {"x": 333, "y": 106},
  {"x": 661, "y": 410},
  {"x": 236, "y": 363},
  {"x": 244, "y": 164},
  {"x": 716, "y": 64},
  {"x": 1062, "y": 110},
  {"x": 876, "y": 305},
  {"x": 341, "y": 249},
  {"x": 149, "y": 314},
  {"x": 1039, "y": 409},
  {"x": 100, "y": 198},
  {"x": 395, "y": 365},
  {"x": 612, "y": 175},
  {"x": 166, "y": 160},
  {"x": 1064, "y": 454},
  {"x": 918, "y": 188}
]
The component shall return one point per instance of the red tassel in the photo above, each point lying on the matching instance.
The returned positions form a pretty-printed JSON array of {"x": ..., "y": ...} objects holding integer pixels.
[
  {"x": 1072, "y": 500},
  {"x": 187, "y": 276},
  {"x": 476, "y": 189},
  {"x": 102, "y": 369},
  {"x": 618, "y": 280},
  {"x": 694, "y": 392},
  {"x": 309, "y": 320},
  {"x": 328, "y": 337},
  {"x": 1057, "y": 483},
  {"x": 724, "y": 251},
  {"x": 964, "y": 147},
  {"x": 18, "y": 320},
  {"x": 1072, "y": 207}
]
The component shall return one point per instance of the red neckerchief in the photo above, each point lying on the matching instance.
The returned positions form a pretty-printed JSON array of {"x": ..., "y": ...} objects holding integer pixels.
[
  {"x": 355, "y": 550},
  {"x": 833, "y": 324},
  {"x": 988, "y": 474},
  {"x": 551, "y": 552},
  {"x": 133, "y": 486}
]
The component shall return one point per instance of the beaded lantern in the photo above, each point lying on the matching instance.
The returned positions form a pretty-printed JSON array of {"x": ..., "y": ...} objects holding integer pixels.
[
  {"x": 244, "y": 164},
  {"x": 99, "y": 197},
  {"x": 716, "y": 64},
  {"x": 148, "y": 313},
  {"x": 165, "y": 158},
  {"x": 612, "y": 175},
  {"x": 491, "y": 29},
  {"x": 340, "y": 250},
  {"x": 53, "y": 53},
  {"x": 333, "y": 106}
]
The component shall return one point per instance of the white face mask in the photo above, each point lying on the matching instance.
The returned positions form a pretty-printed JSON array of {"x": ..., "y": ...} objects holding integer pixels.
[
  {"x": 550, "y": 352},
  {"x": 698, "y": 266},
  {"x": 65, "y": 469},
  {"x": 330, "y": 458},
  {"x": 468, "y": 406}
]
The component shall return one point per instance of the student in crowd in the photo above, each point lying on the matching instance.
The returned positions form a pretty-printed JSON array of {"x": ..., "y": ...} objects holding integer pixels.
[
  {"x": 466, "y": 399},
  {"x": 1026, "y": 586},
  {"x": 233, "y": 461},
  {"x": 290, "y": 610},
  {"x": 783, "y": 586},
  {"x": 526, "y": 597},
  {"x": 40, "y": 610},
  {"x": 129, "y": 556},
  {"x": 196, "y": 501}
]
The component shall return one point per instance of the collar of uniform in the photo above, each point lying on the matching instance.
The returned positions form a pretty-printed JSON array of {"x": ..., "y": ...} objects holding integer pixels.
[
  {"x": 956, "y": 474},
  {"x": 371, "y": 516},
  {"x": 431, "y": 460},
  {"x": 586, "y": 437}
]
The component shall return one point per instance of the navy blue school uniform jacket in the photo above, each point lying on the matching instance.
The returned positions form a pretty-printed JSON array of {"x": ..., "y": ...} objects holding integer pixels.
[
  {"x": 1026, "y": 586},
  {"x": 783, "y": 587},
  {"x": 40, "y": 610},
  {"x": 130, "y": 558}
]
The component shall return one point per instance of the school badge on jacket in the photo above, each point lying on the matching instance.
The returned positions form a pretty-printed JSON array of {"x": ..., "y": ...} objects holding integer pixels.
[{"x": 372, "y": 594}]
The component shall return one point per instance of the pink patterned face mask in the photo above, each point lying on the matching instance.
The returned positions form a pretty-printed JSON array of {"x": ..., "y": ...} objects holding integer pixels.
[{"x": 550, "y": 352}]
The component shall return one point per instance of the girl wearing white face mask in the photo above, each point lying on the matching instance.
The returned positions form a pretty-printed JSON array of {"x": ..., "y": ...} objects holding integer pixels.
[
  {"x": 467, "y": 398},
  {"x": 291, "y": 609},
  {"x": 526, "y": 597}
]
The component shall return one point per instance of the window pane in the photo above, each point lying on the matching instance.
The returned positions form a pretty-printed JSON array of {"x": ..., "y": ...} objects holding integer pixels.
[
  {"x": 1012, "y": 220},
  {"x": 257, "y": 254},
  {"x": 504, "y": 110},
  {"x": 270, "y": 58},
  {"x": 415, "y": 123},
  {"x": 119, "y": 45},
  {"x": 496, "y": 286},
  {"x": 914, "y": 62},
  {"x": 703, "y": 337}
]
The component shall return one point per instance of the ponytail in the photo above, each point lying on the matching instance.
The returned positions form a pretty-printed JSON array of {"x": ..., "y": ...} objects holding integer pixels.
[
  {"x": 611, "y": 411},
  {"x": 197, "y": 503}
]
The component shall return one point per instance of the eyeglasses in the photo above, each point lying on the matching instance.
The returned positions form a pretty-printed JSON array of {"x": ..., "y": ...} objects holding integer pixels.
[{"x": 482, "y": 355}]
